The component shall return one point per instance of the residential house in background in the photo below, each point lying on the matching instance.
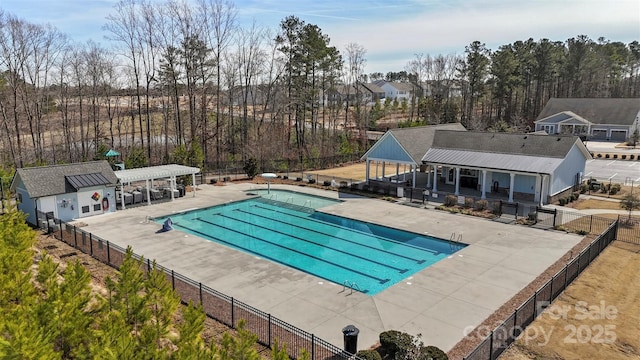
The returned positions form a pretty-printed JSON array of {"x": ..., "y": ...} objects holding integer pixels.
[
  {"x": 592, "y": 118},
  {"x": 398, "y": 91},
  {"x": 365, "y": 93}
]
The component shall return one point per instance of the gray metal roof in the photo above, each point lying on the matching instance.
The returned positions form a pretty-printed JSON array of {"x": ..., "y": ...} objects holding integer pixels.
[
  {"x": 596, "y": 110},
  {"x": 417, "y": 140},
  {"x": 50, "y": 180},
  {"x": 521, "y": 163},
  {"x": 506, "y": 143},
  {"x": 86, "y": 180},
  {"x": 155, "y": 172},
  {"x": 502, "y": 151}
]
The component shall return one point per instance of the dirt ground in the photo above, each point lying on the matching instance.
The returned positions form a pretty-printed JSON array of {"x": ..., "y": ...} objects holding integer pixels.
[
  {"x": 597, "y": 317},
  {"x": 355, "y": 171}
]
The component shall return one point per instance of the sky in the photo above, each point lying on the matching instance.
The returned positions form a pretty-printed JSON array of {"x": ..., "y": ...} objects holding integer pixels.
[{"x": 393, "y": 32}]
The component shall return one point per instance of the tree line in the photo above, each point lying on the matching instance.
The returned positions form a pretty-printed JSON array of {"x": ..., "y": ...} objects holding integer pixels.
[{"x": 185, "y": 82}]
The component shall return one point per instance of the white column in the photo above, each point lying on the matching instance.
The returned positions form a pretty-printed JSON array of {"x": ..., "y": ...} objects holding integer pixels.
[
  {"x": 457, "y": 192},
  {"x": 377, "y": 163},
  {"x": 397, "y": 171},
  {"x": 383, "y": 168},
  {"x": 435, "y": 178},
  {"x": 513, "y": 178},
  {"x": 193, "y": 181},
  {"x": 484, "y": 182},
  {"x": 146, "y": 184},
  {"x": 172, "y": 182},
  {"x": 122, "y": 196},
  {"x": 415, "y": 170},
  {"x": 542, "y": 189},
  {"x": 429, "y": 176},
  {"x": 366, "y": 179},
  {"x": 368, "y": 164}
]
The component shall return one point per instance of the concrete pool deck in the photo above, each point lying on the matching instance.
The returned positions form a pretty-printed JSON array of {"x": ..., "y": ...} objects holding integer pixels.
[{"x": 439, "y": 302}]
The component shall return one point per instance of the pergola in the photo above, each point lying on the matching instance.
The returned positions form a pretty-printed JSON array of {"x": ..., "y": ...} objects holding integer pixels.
[{"x": 151, "y": 173}]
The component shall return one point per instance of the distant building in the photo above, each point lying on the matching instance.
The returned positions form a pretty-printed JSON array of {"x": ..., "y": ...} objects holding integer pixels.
[{"x": 596, "y": 119}]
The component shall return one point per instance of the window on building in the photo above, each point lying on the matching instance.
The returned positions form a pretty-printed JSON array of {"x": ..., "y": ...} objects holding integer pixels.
[{"x": 85, "y": 209}]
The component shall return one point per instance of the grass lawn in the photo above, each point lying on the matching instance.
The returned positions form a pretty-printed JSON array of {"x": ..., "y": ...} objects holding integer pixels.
[
  {"x": 595, "y": 204},
  {"x": 597, "y": 317}
]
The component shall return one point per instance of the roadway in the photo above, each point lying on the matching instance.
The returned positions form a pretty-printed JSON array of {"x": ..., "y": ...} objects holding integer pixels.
[{"x": 615, "y": 170}]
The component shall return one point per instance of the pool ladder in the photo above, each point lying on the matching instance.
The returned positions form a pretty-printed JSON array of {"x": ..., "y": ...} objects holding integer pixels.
[
  {"x": 455, "y": 244},
  {"x": 350, "y": 285}
]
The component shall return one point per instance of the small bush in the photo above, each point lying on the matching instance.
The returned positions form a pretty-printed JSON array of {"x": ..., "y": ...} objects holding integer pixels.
[
  {"x": 584, "y": 188},
  {"x": 468, "y": 202},
  {"x": 562, "y": 201},
  {"x": 615, "y": 188},
  {"x": 450, "y": 200},
  {"x": 495, "y": 207},
  {"x": 393, "y": 341},
  {"x": 432, "y": 352},
  {"x": 368, "y": 355},
  {"x": 250, "y": 167},
  {"x": 482, "y": 205},
  {"x": 575, "y": 195}
]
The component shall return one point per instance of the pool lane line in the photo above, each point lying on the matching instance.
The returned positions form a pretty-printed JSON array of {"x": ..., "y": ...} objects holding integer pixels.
[
  {"x": 306, "y": 271},
  {"x": 418, "y": 261},
  {"x": 401, "y": 271},
  {"x": 381, "y": 281},
  {"x": 434, "y": 252}
]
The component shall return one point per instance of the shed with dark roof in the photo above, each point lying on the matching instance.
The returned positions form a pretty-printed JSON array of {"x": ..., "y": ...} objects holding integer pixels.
[
  {"x": 66, "y": 192},
  {"x": 595, "y": 118}
]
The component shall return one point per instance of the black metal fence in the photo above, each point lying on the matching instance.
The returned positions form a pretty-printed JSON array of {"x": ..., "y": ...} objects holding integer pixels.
[
  {"x": 216, "y": 305},
  {"x": 504, "y": 334},
  {"x": 628, "y": 225},
  {"x": 236, "y": 168}
]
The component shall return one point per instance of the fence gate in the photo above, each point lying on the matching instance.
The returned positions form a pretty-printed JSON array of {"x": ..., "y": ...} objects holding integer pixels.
[
  {"x": 546, "y": 217},
  {"x": 509, "y": 209},
  {"x": 628, "y": 228}
]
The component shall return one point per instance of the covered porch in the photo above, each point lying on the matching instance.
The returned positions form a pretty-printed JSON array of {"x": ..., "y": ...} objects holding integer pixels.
[{"x": 504, "y": 184}]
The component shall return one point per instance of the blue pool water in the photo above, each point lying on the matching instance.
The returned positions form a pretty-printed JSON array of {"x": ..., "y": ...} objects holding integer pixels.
[{"x": 334, "y": 248}]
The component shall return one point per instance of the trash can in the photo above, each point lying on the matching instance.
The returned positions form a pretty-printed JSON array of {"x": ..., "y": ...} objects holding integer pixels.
[{"x": 350, "y": 333}]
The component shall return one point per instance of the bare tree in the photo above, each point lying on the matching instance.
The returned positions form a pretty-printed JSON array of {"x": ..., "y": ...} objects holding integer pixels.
[
  {"x": 123, "y": 28},
  {"x": 219, "y": 23},
  {"x": 354, "y": 70}
]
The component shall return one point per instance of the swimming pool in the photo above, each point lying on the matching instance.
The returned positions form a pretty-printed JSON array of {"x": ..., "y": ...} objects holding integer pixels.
[{"x": 334, "y": 248}]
